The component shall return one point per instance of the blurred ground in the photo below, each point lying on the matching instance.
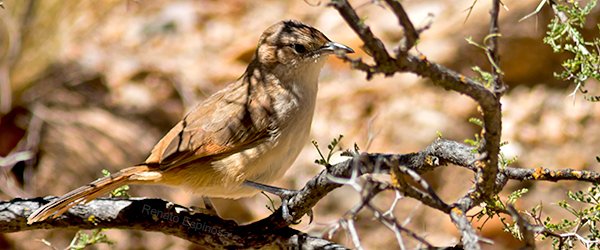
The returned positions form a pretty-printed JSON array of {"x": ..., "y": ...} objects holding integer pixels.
[{"x": 88, "y": 85}]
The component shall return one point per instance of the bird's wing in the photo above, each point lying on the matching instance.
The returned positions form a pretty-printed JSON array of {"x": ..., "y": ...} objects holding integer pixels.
[{"x": 225, "y": 123}]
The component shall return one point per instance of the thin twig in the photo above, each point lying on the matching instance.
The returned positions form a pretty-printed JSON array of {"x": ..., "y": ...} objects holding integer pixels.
[
  {"x": 410, "y": 33},
  {"x": 492, "y": 49},
  {"x": 527, "y": 230},
  {"x": 373, "y": 44},
  {"x": 545, "y": 174}
]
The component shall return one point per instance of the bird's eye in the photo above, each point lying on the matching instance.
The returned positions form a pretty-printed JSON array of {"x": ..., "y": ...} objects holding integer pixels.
[{"x": 299, "y": 48}]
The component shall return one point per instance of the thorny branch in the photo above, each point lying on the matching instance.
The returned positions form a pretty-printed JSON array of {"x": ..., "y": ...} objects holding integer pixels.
[
  {"x": 440, "y": 75},
  {"x": 373, "y": 45},
  {"x": 529, "y": 231},
  {"x": 427, "y": 195},
  {"x": 368, "y": 191},
  {"x": 157, "y": 215},
  {"x": 486, "y": 186},
  {"x": 492, "y": 49},
  {"x": 525, "y": 228},
  {"x": 411, "y": 35},
  {"x": 489, "y": 179},
  {"x": 160, "y": 216}
]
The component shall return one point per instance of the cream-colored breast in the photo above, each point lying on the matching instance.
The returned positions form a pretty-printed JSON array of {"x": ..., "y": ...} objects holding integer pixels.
[{"x": 265, "y": 163}]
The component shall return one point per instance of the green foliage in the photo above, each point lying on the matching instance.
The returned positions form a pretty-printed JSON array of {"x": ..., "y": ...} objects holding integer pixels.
[
  {"x": 120, "y": 191},
  {"x": 564, "y": 36},
  {"x": 476, "y": 121},
  {"x": 83, "y": 240},
  {"x": 490, "y": 209},
  {"x": 332, "y": 149},
  {"x": 511, "y": 226},
  {"x": 485, "y": 78},
  {"x": 476, "y": 142},
  {"x": 565, "y": 234},
  {"x": 494, "y": 207},
  {"x": 504, "y": 162},
  {"x": 514, "y": 196},
  {"x": 585, "y": 223}
]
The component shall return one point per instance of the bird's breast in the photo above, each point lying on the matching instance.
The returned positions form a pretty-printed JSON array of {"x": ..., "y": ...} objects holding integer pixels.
[
  {"x": 270, "y": 160},
  {"x": 290, "y": 120}
]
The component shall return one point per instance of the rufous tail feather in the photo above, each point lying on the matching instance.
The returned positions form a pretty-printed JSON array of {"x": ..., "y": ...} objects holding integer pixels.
[{"x": 93, "y": 190}]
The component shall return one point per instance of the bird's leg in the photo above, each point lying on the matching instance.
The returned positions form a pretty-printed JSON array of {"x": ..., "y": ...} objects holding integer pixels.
[
  {"x": 209, "y": 208},
  {"x": 284, "y": 195},
  {"x": 208, "y": 204}
]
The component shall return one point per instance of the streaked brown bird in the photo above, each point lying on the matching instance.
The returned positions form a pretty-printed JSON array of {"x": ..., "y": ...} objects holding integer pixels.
[{"x": 241, "y": 138}]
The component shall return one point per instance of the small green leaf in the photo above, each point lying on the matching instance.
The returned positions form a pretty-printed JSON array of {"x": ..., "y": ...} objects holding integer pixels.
[{"x": 476, "y": 121}]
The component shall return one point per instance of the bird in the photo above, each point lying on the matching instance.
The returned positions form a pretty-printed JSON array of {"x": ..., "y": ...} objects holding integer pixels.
[{"x": 240, "y": 139}]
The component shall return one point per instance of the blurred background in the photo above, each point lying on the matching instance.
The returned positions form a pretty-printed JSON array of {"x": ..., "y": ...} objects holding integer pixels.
[{"x": 92, "y": 85}]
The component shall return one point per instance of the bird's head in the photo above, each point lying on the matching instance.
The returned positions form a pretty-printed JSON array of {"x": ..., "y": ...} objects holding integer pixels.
[{"x": 292, "y": 43}]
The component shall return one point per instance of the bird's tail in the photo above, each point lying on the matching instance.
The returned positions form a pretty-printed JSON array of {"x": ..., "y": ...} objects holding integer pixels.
[{"x": 94, "y": 190}]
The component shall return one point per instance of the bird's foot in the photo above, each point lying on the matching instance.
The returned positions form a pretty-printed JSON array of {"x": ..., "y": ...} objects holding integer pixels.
[
  {"x": 285, "y": 195},
  {"x": 207, "y": 209}
]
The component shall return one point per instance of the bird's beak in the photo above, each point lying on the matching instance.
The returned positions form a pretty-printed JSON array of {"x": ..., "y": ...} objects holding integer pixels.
[{"x": 333, "y": 47}]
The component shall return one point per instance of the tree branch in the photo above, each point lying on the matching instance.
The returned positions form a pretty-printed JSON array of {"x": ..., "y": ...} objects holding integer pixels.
[
  {"x": 544, "y": 174},
  {"x": 159, "y": 216},
  {"x": 374, "y": 46},
  {"x": 492, "y": 49},
  {"x": 411, "y": 35},
  {"x": 469, "y": 237},
  {"x": 486, "y": 185},
  {"x": 211, "y": 231},
  {"x": 527, "y": 230}
]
